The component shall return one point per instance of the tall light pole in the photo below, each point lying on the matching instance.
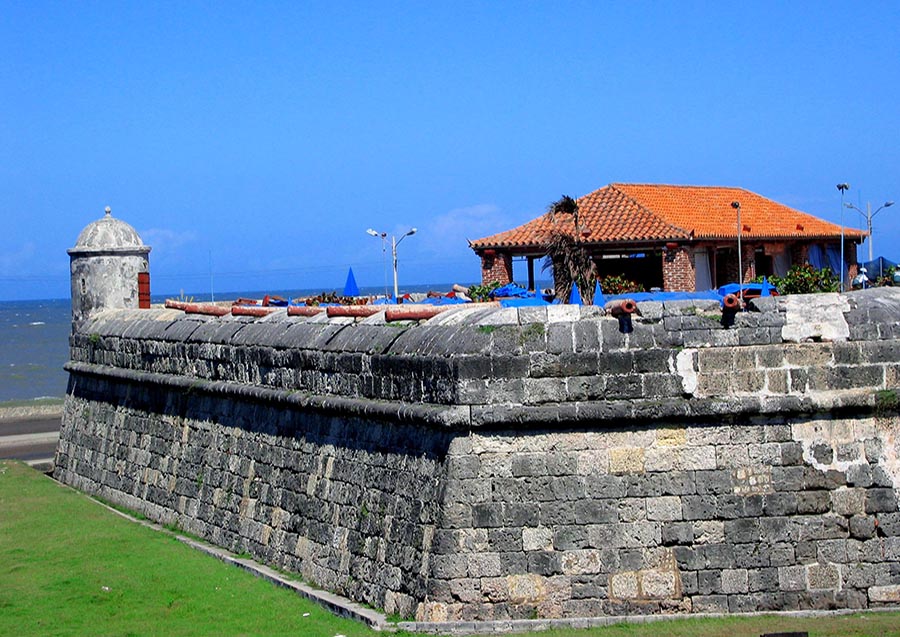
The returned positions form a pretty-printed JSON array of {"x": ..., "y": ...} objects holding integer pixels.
[
  {"x": 737, "y": 206},
  {"x": 869, "y": 215},
  {"x": 383, "y": 236},
  {"x": 394, "y": 243},
  {"x": 844, "y": 187}
]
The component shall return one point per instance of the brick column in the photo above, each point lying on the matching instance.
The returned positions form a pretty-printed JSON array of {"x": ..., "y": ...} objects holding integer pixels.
[
  {"x": 851, "y": 261},
  {"x": 748, "y": 257},
  {"x": 799, "y": 254},
  {"x": 496, "y": 267},
  {"x": 679, "y": 274}
]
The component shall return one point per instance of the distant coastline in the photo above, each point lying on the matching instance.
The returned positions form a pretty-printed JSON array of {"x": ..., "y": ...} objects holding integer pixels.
[{"x": 28, "y": 409}]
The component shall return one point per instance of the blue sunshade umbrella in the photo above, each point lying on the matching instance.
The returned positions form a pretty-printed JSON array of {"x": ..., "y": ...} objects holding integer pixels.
[
  {"x": 599, "y": 299},
  {"x": 574, "y": 295},
  {"x": 350, "y": 287}
]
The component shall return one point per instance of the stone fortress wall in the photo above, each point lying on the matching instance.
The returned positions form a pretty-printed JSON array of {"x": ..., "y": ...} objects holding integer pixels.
[{"x": 515, "y": 463}]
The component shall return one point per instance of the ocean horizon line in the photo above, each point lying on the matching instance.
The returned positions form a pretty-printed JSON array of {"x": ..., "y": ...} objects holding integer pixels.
[{"x": 201, "y": 295}]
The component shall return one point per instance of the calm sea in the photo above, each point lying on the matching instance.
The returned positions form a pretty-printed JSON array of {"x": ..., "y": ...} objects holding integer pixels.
[
  {"x": 34, "y": 346},
  {"x": 34, "y": 340}
]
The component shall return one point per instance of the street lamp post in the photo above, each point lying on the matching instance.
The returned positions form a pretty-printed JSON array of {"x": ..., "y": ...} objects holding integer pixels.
[
  {"x": 737, "y": 206},
  {"x": 843, "y": 187},
  {"x": 394, "y": 243},
  {"x": 383, "y": 236},
  {"x": 869, "y": 215}
]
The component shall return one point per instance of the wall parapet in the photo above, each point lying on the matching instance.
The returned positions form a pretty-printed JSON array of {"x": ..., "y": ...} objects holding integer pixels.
[{"x": 556, "y": 364}]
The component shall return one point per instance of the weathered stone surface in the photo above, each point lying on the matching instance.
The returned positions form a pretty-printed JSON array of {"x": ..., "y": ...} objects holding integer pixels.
[
  {"x": 502, "y": 464},
  {"x": 885, "y": 594}
]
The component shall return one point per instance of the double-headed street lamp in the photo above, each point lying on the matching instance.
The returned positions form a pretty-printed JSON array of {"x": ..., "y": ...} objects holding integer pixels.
[
  {"x": 394, "y": 243},
  {"x": 869, "y": 215},
  {"x": 383, "y": 236}
]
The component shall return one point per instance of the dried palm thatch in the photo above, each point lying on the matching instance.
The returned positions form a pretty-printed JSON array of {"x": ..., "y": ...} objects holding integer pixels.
[{"x": 567, "y": 259}]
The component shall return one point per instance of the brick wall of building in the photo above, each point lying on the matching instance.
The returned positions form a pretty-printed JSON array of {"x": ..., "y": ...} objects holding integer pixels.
[
  {"x": 496, "y": 267},
  {"x": 799, "y": 253},
  {"x": 679, "y": 273}
]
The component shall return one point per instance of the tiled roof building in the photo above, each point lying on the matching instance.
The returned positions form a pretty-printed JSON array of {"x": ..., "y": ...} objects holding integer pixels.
[{"x": 675, "y": 237}]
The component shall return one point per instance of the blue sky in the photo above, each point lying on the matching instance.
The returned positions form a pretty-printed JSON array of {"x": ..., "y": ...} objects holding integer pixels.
[{"x": 265, "y": 137}]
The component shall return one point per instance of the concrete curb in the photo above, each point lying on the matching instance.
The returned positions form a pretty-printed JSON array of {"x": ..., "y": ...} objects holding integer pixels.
[
  {"x": 44, "y": 465},
  {"x": 535, "y": 625},
  {"x": 334, "y": 603}
]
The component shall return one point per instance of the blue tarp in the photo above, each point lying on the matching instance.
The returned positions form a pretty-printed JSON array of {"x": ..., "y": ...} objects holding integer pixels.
[
  {"x": 753, "y": 289},
  {"x": 350, "y": 287},
  {"x": 816, "y": 257},
  {"x": 878, "y": 267},
  {"x": 833, "y": 257},
  {"x": 441, "y": 300},
  {"x": 525, "y": 301},
  {"x": 510, "y": 289},
  {"x": 711, "y": 295}
]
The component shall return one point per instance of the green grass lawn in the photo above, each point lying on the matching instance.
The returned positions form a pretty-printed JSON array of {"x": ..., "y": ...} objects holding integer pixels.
[{"x": 71, "y": 567}]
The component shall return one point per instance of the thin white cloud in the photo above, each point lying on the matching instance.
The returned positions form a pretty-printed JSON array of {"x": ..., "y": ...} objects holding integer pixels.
[
  {"x": 18, "y": 262},
  {"x": 165, "y": 241},
  {"x": 448, "y": 233}
]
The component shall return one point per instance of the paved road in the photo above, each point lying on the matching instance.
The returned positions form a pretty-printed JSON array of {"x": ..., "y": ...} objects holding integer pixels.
[{"x": 29, "y": 439}]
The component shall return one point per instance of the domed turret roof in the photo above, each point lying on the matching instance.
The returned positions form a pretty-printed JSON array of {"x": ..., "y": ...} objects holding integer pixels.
[{"x": 108, "y": 233}]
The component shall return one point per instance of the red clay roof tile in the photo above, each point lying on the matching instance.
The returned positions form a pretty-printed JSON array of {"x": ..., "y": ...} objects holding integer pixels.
[{"x": 651, "y": 213}]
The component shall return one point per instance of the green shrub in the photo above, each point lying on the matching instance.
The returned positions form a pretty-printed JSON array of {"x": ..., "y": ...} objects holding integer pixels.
[
  {"x": 805, "y": 279},
  {"x": 618, "y": 284},
  {"x": 482, "y": 292},
  {"x": 887, "y": 279}
]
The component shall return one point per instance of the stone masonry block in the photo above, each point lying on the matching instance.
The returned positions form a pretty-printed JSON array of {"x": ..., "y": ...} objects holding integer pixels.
[
  {"x": 808, "y": 355},
  {"x": 484, "y": 565},
  {"x": 823, "y": 576},
  {"x": 878, "y": 500},
  {"x": 792, "y": 578},
  {"x": 537, "y": 539},
  {"x": 560, "y": 338},
  {"x": 677, "y": 533},
  {"x": 848, "y": 501},
  {"x": 671, "y": 436},
  {"x": 582, "y": 562},
  {"x": 626, "y": 460},
  {"x": 631, "y": 509},
  {"x": 695, "y": 459},
  {"x": 724, "y": 338},
  {"x": 709, "y": 532},
  {"x": 889, "y": 594},
  {"x": 695, "y": 507},
  {"x": 734, "y": 581},
  {"x": 664, "y": 508},
  {"x": 624, "y": 386},
  {"x": 660, "y": 584},
  {"x": 624, "y": 585}
]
